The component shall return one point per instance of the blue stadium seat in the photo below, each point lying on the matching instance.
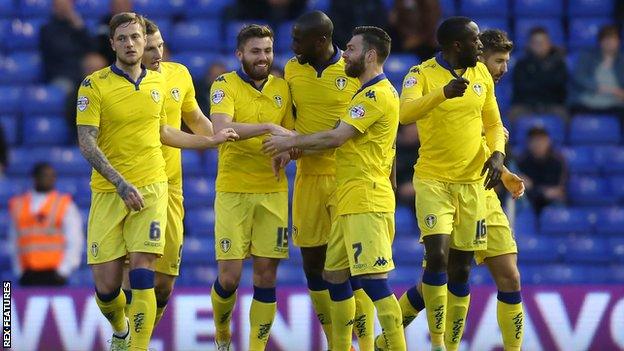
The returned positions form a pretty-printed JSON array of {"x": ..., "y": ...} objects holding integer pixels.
[
  {"x": 580, "y": 8},
  {"x": 283, "y": 38},
  {"x": 69, "y": 162},
  {"x": 21, "y": 160},
  {"x": 43, "y": 100},
  {"x": 196, "y": 35},
  {"x": 81, "y": 278},
  {"x": 554, "y": 26},
  {"x": 210, "y": 162},
  {"x": 10, "y": 100},
  {"x": 397, "y": 66},
  {"x": 10, "y": 129},
  {"x": 553, "y": 124},
  {"x": 563, "y": 274},
  {"x": 612, "y": 160},
  {"x": 587, "y": 249},
  {"x": 198, "y": 250},
  {"x": 405, "y": 221},
  {"x": 583, "y": 32},
  {"x": 4, "y": 28},
  {"x": 617, "y": 248},
  {"x": 290, "y": 275},
  {"x": 92, "y": 9},
  {"x": 539, "y": 249},
  {"x": 35, "y": 8},
  {"x": 191, "y": 163},
  {"x": 595, "y": 129},
  {"x": 196, "y": 62},
  {"x": 199, "y": 221},
  {"x": 571, "y": 59},
  {"x": 21, "y": 68},
  {"x": 198, "y": 192},
  {"x": 538, "y": 8},
  {"x": 504, "y": 94},
  {"x": 4, "y": 229},
  {"x": 480, "y": 275},
  {"x": 484, "y": 7},
  {"x": 525, "y": 224},
  {"x": 617, "y": 187},
  {"x": 24, "y": 34},
  {"x": 448, "y": 8},
  {"x": 408, "y": 250},
  {"x": 231, "y": 31},
  {"x": 206, "y": 8},
  {"x": 45, "y": 130},
  {"x": 407, "y": 275},
  {"x": 158, "y": 8},
  {"x": 492, "y": 23},
  {"x": 611, "y": 221},
  {"x": 10, "y": 187},
  {"x": 320, "y": 5},
  {"x": 561, "y": 221},
  {"x": 581, "y": 160},
  {"x": 7, "y": 9},
  {"x": 590, "y": 191},
  {"x": 616, "y": 274}
]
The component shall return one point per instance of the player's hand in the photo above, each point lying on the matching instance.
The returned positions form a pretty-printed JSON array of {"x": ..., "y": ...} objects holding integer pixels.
[
  {"x": 131, "y": 196},
  {"x": 513, "y": 183},
  {"x": 225, "y": 134},
  {"x": 281, "y": 131},
  {"x": 494, "y": 168},
  {"x": 278, "y": 162},
  {"x": 295, "y": 153},
  {"x": 506, "y": 133},
  {"x": 276, "y": 144},
  {"x": 456, "y": 88}
]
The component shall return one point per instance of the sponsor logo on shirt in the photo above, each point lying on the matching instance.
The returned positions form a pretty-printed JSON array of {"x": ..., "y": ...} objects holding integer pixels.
[
  {"x": 83, "y": 103},
  {"x": 357, "y": 112},
  {"x": 217, "y": 96}
]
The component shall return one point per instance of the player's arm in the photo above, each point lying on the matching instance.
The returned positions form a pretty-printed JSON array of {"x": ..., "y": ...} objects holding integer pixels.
[
  {"x": 318, "y": 141},
  {"x": 176, "y": 138},
  {"x": 87, "y": 141},
  {"x": 198, "y": 122},
  {"x": 495, "y": 138},
  {"x": 222, "y": 121}
]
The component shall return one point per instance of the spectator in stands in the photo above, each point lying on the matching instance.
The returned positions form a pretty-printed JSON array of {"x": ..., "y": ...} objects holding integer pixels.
[
  {"x": 202, "y": 87},
  {"x": 598, "y": 80},
  {"x": 414, "y": 24},
  {"x": 46, "y": 232},
  {"x": 273, "y": 11},
  {"x": 407, "y": 145},
  {"x": 544, "y": 171},
  {"x": 63, "y": 42},
  {"x": 102, "y": 37},
  {"x": 539, "y": 78},
  {"x": 348, "y": 14}
]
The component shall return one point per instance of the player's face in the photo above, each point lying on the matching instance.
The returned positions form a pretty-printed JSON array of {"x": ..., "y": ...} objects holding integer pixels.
[
  {"x": 303, "y": 46},
  {"x": 256, "y": 56},
  {"x": 470, "y": 48},
  {"x": 128, "y": 43},
  {"x": 154, "y": 49},
  {"x": 496, "y": 63},
  {"x": 45, "y": 180},
  {"x": 355, "y": 57}
]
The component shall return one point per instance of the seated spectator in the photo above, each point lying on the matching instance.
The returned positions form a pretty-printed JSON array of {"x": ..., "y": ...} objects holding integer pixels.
[
  {"x": 544, "y": 171},
  {"x": 598, "y": 80},
  {"x": 348, "y": 14},
  {"x": 273, "y": 11},
  {"x": 202, "y": 87},
  {"x": 407, "y": 145},
  {"x": 414, "y": 24},
  {"x": 61, "y": 57},
  {"x": 539, "y": 78},
  {"x": 46, "y": 232}
]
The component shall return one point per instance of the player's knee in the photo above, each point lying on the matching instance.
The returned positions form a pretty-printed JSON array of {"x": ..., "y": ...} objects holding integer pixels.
[
  {"x": 163, "y": 291},
  {"x": 437, "y": 260},
  {"x": 265, "y": 279},
  {"x": 313, "y": 269},
  {"x": 508, "y": 281},
  {"x": 459, "y": 273},
  {"x": 229, "y": 282}
]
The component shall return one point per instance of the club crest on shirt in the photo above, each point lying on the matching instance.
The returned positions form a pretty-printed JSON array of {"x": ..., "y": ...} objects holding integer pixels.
[
  {"x": 155, "y": 95},
  {"x": 225, "y": 244},
  {"x": 175, "y": 94},
  {"x": 341, "y": 83},
  {"x": 217, "y": 96},
  {"x": 478, "y": 88},
  {"x": 409, "y": 82},
  {"x": 95, "y": 249},
  {"x": 357, "y": 112},
  {"x": 82, "y": 103},
  {"x": 278, "y": 101},
  {"x": 431, "y": 220}
]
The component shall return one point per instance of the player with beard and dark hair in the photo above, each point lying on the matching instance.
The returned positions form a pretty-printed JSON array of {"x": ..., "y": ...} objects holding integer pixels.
[
  {"x": 451, "y": 98},
  {"x": 321, "y": 92},
  {"x": 360, "y": 242},
  {"x": 251, "y": 204}
]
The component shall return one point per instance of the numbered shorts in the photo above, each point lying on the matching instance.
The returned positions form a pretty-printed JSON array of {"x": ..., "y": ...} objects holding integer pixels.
[
  {"x": 457, "y": 210},
  {"x": 361, "y": 242},
  {"x": 169, "y": 263},
  {"x": 500, "y": 237},
  {"x": 313, "y": 209},
  {"x": 114, "y": 230},
  {"x": 251, "y": 224}
]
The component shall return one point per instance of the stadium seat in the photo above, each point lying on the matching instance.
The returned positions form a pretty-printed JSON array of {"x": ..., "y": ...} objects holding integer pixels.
[
  {"x": 4, "y": 229},
  {"x": 198, "y": 192},
  {"x": 562, "y": 274},
  {"x": 594, "y": 129},
  {"x": 283, "y": 39},
  {"x": 24, "y": 34},
  {"x": 480, "y": 275},
  {"x": 7, "y": 9},
  {"x": 538, "y": 8},
  {"x": 196, "y": 35},
  {"x": 159, "y": 8},
  {"x": 587, "y": 249},
  {"x": 553, "y": 124},
  {"x": 45, "y": 130},
  {"x": 210, "y": 162},
  {"x": 408, "y": 250},
  {"x": 523, "y": 27},
  {"x": 562, "y": 221},
  {"x": 196, "y": 62},
  {"x": 21, "y": 160},
  {"x": 581, "y": 160},
  {"x": 397, "y": 66},
  {"x": 616, "y": 274},
  {"x": 571, "y": 59},
  {"x": 280, "y": 60},
  {"x": 504, "y": 94},
  {"x": 610, "y": 221},
  {"x": 206, "y": 8},
  {"x": 290, "y": 275},
  {"x": 231, "y": 31},
  {"x": 611, "y": 159},
  {"x": 92, "y": 9},
  {"x": 198, "y": 250},
  {"x": 405, "y": 221},
  {"x": 21, "y": 68},
  {"x": 10, "y": 187},
  {"x": 406, "y": 275},
  {"x": 617, "y": 248},
  {"x": 448, "y": 8},
  {"x": 484, "y": 7},
  {"x": 199, "y": 221},
  {"x": 35, "y": 8},
  {"x": 590, "y": 191},
  {"x": 539, "y": 249},
  {"x": 492, "y": 23},
  {"x": 69, "y": 162},
  {"x": 583, "y": 32},
  {"x": 10, "y": 100},
  {"x": 4, "y": 28},
  {"x": 525, "y": 223},
  {"x": 617, "y": 187},
  {"x": 10, "y": 129},
  {"x": 44, "y": 100},
  {"x": 191, "y": 163},
  {"x": 580, "y": 8},
  {"x": 320, "y": 5}
]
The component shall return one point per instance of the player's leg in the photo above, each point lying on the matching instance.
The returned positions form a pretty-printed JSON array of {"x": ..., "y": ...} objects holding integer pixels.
[
  {"x": 264, "y": 303},
  {"x": 163, "y": 287},
  {"x": 364, "y": 321},
  {"x": 108, "y": 296},
  {"x": 143, "y": 306},
  {"x": 223, "y": 297},
  {"x": 458, "y": 297},
  {"x": 504, "y": 270},
  {"x": 125, "y": 286}
]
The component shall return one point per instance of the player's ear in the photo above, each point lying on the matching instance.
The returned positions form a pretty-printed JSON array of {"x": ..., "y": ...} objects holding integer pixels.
[
  {"x": 239, "y": 54},
  {"x": 112, "y": 44}
]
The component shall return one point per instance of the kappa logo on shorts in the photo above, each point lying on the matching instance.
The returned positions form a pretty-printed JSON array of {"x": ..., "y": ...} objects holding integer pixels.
[
  {"x": 431, "y": 220},
  {"x": 95, "y": 249},
  {"x": 341, "y": 83},
  {"x": 478, "y": 88},
  {"x": 381, "y": 261},
  {"x": 155, "y": 95},
  {"x": 175, "y": 94},
  {"x": 225, "y": 244}
]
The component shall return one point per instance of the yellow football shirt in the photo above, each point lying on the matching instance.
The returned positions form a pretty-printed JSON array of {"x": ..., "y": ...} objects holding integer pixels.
[
  {"x": 243, "y": 167},
  {"x": 320, "y": 96},
  {"x": 179, "y": 97},
  {"x": 364, "y": 163},
  {"x": 129, "y": 115},
  {"x": 451, "y": 147}
]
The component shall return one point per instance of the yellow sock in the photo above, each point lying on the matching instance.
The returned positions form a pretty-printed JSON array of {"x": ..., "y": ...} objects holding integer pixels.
[
  {"x": 222, "y": 311},
  {"x": 389, "y": 315},
  {"x": 261, "y": 317},
  {"x": 342, "y": 315},
  {"x": 142, "y": 316},
  {"x": 456, "y": 312},
  {"x": 114, "y": 311},
  {"x": 435, "y": 304},
  {"x": 364, "y": 322},
  {"x": 408, "y": 311},
  {"x": 159, "y": 313},
  {"x": 322, "y": 306},
  {"x": 510, "y": 318},
  {"x": 128, "y": 294}
]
